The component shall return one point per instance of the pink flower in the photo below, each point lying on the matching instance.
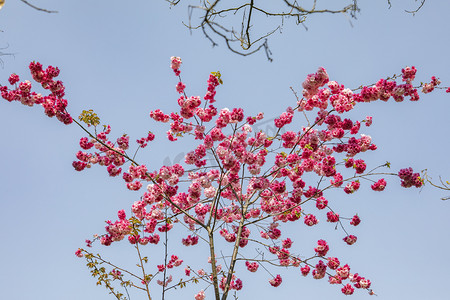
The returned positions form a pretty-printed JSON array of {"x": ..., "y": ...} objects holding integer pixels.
[
  {"x": 355, "y": 220},
  {"x": 79, "y": 253},
  {"x": 409, "y": 178},
  {"x": 408, "y": 74},
  {"x": 275, "y": 282},
  {"x": 352, "y": 187},
  {"x": 190, "y": 240},
  {"x": 180, "y": 87},
  {"x": 13, "y": 79},
  {"x": 335, "y": 280},
  {"x": 350, "y": 239},
  {"x": 161, "y": 268},
  {"x": 320, "y": 270},
  {"x": 322, "y": 248},
  {"x": 379, "y": 185},
  {"x": 237, "y": 284},
  {"x": 252, "y": 267},
  {"x": 337, "y": 180},
  {"x": 121, "y": 214},
  {"x": 133, "y": 239},
  {"x": 116, "y": 274},
  {"x": 333, "y": 263},
  {"x": 364, "y": 283},
  {"x": 79, "y": 165},
  {"x": 305, "y": 270},
  {"x": 85, "y": 144},
  {"x": 287, "y": 243},
  {"x": 343, "y": 272},
  {"x": 200, "y": 295},
  {"x": 347, "y": 289},
  {"x": 360, "y": 166},
  {"x": 311, "y": 220},
  {"x": 321, "y": 203},
  {"x": 332, "y": 217},
  {"x": 429, "y": 87},
  {"x": 175, "y": 62}
]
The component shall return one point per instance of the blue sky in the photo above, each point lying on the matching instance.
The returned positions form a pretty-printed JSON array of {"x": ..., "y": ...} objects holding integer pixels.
[{"x": 114, "y": 59}]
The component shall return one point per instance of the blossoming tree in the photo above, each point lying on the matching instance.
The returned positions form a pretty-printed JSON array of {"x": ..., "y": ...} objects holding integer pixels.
[{"x": 237, "y": 190}]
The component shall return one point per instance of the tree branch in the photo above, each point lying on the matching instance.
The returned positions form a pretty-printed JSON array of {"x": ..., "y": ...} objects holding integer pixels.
[{"x": 38, "y": 8}]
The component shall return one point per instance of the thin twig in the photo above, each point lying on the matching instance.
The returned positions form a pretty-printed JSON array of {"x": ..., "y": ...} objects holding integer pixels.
[{"x": 38, "y": 8}]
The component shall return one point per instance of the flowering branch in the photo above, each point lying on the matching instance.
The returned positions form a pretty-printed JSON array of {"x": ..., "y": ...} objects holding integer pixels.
[{"x": 251, "y": 184}]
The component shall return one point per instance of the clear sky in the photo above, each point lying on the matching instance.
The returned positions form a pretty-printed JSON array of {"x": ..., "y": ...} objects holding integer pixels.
[{"x": 114, "y": 59}]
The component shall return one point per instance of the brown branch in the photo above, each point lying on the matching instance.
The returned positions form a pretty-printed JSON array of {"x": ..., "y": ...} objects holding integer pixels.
[
  {"x": 38, "y": 8},
  {"x": 413, "y": 12},
  {"x": 248, "y": 11}
]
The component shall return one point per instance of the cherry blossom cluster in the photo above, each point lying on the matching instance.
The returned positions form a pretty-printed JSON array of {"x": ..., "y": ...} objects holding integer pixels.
[
  {"x": 54, "y": 104},
  {"x": 409, "y": 178},
  {"x": 108, "y": 154},
  {"x": 343, "y": 99}
]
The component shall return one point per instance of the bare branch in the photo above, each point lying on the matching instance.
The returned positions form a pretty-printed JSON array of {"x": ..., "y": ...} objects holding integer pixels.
[
  {"x": 38, "y": 8},
  {"x": 240, "y": 27},
  {"x": 443, "y": 185},
  {"x": 413, "y": 12},
  {"x": 4, "y": 53}
]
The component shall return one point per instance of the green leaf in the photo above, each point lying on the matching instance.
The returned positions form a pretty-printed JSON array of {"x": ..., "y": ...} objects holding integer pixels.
[
  {"x": 218, "y": 76},
  {"x": 89, "y": 117}
]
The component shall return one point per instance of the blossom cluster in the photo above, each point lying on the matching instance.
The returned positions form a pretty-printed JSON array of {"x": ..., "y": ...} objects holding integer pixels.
[{"x": 54, "y": 104}]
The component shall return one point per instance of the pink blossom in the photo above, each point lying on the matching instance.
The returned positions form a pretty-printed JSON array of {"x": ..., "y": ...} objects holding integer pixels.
[
  {"x": 311, "y": 220},
  {"x": 335, "y": 280},
  {"x": 409, "y": 179},
  {"x": 379, "y": 185},
  {"x": 13, "y": 79},
  {"x": 79, "y": 253},
  {"x": 236, "y": 284},
  {"x": 322, "y": 248},
  {"x": 355, "y": 220},
  {"x": 305, "y": 270},
  {"x": 408, "y": 74},
  {"x": 200, "y": 295},
  {"x": 321, "y": 203},
  {"x": 352, "y": 187},
  {"x": 175, "y": 62},
  {"x": 350, "y": 239},
  {"x": 333, "y": 263},
  {"x": 320, "y": 270},
  {"x": 252, "y": 266},
  {"x": 116, "y": 274},
  {"x": 332, "y": 217},
  {"x": 343, "y": 272},
  {"x": 347, "y": 289},
  {"x": 287, "y": 243},
  {"x": 275, "y": 282}
]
